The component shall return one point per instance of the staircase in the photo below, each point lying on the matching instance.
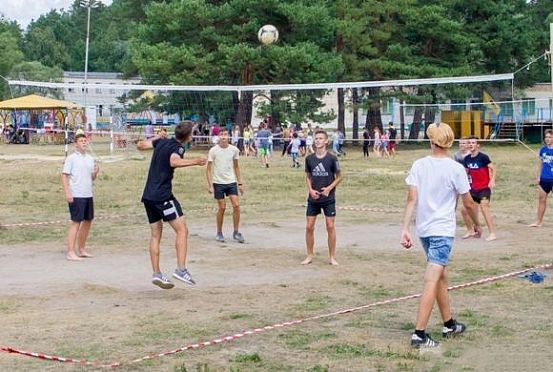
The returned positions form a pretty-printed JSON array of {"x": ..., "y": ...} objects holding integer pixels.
[{"x": 507, "y": 131}]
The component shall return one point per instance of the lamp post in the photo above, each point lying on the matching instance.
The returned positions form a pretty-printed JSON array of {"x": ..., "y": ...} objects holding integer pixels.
[{"x": 89, "y": 4}]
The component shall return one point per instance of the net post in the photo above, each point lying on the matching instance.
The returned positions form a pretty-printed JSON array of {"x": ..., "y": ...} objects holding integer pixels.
[
  {"x": 66, "y": 130},
  {"x": 111, "y": 135}
]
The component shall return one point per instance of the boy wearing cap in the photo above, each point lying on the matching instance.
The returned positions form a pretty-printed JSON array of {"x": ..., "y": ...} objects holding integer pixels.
[{"x": 434, "y": 183}]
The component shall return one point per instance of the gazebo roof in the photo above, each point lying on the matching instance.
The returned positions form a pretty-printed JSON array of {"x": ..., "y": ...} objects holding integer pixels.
[{"x": 36, "y": 102}]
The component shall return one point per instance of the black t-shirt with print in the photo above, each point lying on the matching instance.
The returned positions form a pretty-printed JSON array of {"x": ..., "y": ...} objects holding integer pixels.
[
  {"x": 322, "y": 172},
  {"x": 159, "y": 186}
]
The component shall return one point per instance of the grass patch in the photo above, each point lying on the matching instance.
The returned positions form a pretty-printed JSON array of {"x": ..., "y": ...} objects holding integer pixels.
[{"x": 247, "y": 358}]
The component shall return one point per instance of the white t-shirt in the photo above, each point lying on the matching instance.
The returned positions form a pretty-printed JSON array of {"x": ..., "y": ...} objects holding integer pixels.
[
  {"x": 223, "y": 163},
  {"x": 79, "y": 167},
  {"x": 438, "y": 181}
]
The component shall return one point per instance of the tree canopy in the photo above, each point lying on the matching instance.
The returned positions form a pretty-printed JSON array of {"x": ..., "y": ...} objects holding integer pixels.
[{"x": 214, "y": 42}]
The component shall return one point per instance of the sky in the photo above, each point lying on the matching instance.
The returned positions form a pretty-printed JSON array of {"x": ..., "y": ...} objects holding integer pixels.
[{"x": 23, "y": 11}]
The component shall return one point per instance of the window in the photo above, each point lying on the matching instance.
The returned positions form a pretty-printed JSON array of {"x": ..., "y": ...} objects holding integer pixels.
[
  {"x": 507, "y": 107},
  {"x": 528, "y": 106},
  {"x": 387, "y": 106}
]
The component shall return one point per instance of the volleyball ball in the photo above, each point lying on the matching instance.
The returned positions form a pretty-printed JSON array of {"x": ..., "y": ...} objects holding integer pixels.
[{"x": 267, "y": 34}]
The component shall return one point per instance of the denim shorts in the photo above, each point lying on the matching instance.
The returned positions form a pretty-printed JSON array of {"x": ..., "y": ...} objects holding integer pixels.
[{"x": 437, "y": 249}]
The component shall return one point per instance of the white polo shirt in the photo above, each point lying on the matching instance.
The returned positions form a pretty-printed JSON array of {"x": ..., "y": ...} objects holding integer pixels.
[
  {"x": 79, "y": 167},
  {"x": 223, "y": 163}
]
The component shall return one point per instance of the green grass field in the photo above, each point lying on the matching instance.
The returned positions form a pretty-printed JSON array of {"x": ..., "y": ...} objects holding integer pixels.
[{"x": 106, "y": 310}]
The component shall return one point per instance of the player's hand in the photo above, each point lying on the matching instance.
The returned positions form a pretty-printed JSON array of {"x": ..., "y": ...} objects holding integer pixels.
[
  {"x": 314, "y": 194},
  {"x": 326, "y": 191},
  {"x": 406, "y": 241},
  {"x": 96, "y": 169},
  {"x": 241, "y": 189},
  {"x": 201, "y": 161},
  {"x": 491, "y": 185},
  {"x": 69, "y": 197},
  {"x": 477, "y": 232},
  {"x": 210, "y": 189},
  {"x": 537, "y": 181}
]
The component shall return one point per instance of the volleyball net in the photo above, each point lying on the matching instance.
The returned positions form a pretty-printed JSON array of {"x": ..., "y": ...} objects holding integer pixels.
[{"x": 482, "y": 106}]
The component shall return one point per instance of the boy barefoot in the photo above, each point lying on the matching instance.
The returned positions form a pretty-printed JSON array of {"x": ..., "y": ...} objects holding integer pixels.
[
  {"x": 322, "y": 176},
  {"x": 482, "y": 173},
  {"x": 78, "y": 173}
]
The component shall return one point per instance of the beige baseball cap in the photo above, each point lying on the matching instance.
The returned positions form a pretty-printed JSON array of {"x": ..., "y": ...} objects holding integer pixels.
[{"x": 440, "y": 134}]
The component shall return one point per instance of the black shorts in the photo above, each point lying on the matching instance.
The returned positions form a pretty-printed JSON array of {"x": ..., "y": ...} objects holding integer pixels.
[
  {"x": 314, "y": 209},
  {"x": 546, "y": 185},
  {"x": 220, "y": 190},
  {"x": 484, "y": 194},
  {"x": 167, "y": 211},
  {"x": 82, "y": 209}
]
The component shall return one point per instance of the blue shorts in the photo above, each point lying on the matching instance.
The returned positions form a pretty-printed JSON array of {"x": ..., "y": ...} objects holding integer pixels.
[{"x": 437, "y": 249}]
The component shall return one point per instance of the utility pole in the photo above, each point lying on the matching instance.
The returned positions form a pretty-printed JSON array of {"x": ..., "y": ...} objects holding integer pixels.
[{"x": 89, "y": 4}]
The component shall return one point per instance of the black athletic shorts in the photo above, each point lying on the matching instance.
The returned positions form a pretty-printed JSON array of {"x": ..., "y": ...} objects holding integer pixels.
[
  {"x": 484, "y": 194},
  {"x": 546, "y": 185},
  {"x": 314, "y": 209},
  {"x": 167, "y": 211},
  {"x": 220, "y": 190},
  {"x": 82, "y": 209}
]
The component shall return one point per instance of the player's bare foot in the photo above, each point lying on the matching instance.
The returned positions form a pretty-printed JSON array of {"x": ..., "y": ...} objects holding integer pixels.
[
  {"x": 333, "y": 262},
  {"x": 535, "y": 225},
  {"x": 307, "y": 260},
  {"x": 85, "y": 254},
  {"x": 72, "y": 257},
  {"x": 469, "y": 234},
  {"x": 491, "y": 237}
]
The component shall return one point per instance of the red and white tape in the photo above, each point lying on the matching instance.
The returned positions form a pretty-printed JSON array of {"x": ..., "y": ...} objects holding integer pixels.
[{"x": 255, "y": 331}]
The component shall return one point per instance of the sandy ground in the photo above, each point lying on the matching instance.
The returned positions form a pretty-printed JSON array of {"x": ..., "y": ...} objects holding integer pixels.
[{"x": 106, "y": 303}]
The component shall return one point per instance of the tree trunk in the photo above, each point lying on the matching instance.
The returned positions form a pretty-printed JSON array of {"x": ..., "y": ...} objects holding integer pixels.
[
  {"x": 355, "y": 105},
  {"x": 341, "y": 123},
  {"x": 429, "y": 116},
  {"x": 245, "y": 99},
  {"x": 374, "y": 117},
  {"x": 244, "y": 115},
  {"x": 417, "y": 118},
  {"x": 275, "y": 113}
]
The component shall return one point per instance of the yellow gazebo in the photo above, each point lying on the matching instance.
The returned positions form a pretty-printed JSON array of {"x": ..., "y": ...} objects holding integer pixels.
[{"x": 33, "y": 102}]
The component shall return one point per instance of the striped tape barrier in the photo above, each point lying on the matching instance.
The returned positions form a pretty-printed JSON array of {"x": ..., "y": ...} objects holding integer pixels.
[
  {"x": 119, "y": 216},
  {"x": 255, "y": 331}
]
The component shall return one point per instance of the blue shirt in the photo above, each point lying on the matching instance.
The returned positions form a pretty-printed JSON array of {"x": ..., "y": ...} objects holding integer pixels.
[
  {"x": 546, "y": 157},
  {"x": 263, "y": 136}
]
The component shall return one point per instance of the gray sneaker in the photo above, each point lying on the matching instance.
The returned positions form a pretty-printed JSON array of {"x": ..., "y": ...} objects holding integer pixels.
[
  {"x": 162, "y": 281},
  {"x": 238, "y": 237},
  {"x": 220, "y": 238},
  {"x": 183, "y": 275}
]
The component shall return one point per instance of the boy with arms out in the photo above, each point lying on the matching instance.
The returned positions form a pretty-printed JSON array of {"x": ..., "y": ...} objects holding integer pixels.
[
  {"x": 224, "y": 179},
  {"x": 322, "y": 176},
  {"x": 78, "y": 173},
  {"x": 434, "y": 183},
  {"x": 544, "y": 178},
  {"x": 160, "y": 203},
  {"x": 482, "y": 173}
]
